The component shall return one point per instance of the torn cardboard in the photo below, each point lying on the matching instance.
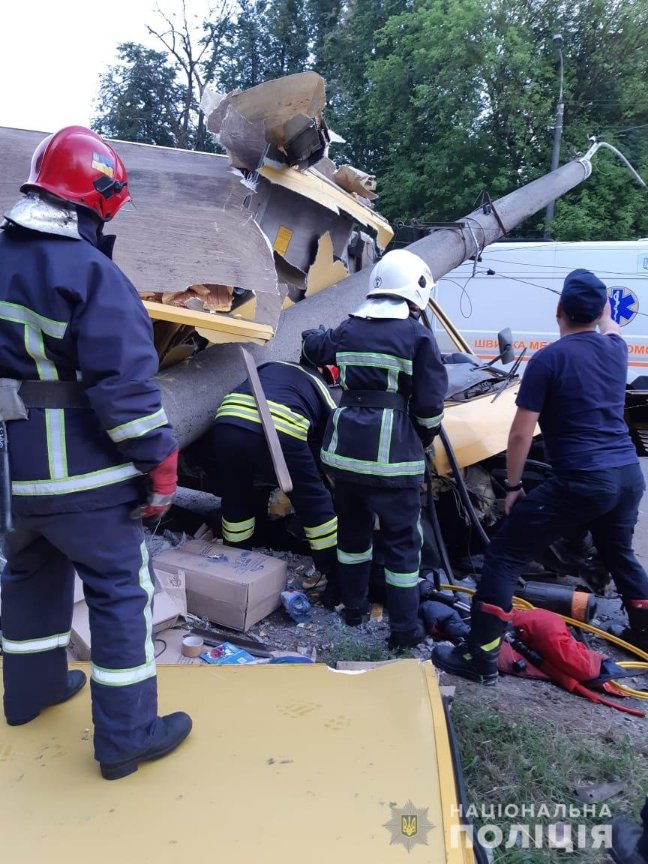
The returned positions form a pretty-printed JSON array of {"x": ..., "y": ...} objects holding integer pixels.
[
  {"x": 356, "y": 182},
  {"x": 168, "y": 606},
  {"x": 232, "y": 587}
]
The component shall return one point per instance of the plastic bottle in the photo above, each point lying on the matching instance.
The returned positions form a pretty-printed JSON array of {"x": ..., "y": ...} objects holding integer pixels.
[{"x": 296, "y": 605}]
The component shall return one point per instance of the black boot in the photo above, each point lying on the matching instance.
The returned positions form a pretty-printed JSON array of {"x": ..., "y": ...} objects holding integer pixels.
[
  {"x": 406, "y": 638},
  {"x": 353, "y": 617},
  {"x": 75, "y": 681},
  {"x": 173, "y": 730},
  {"x": 476, "y": 658},
  {"x": 330, "y": 596},
  {"x": 630, "y": 839},
  {"x": 637, "y": 633}
]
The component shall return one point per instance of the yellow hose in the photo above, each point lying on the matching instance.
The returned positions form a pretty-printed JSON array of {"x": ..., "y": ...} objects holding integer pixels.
[{"x": 519, "y": 603}]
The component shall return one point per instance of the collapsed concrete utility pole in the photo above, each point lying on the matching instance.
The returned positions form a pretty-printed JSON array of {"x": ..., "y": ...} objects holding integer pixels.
[{"x": 192, "y": 391}]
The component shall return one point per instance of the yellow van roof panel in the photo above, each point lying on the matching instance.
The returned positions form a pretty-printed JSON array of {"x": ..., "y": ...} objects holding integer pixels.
[{"x": 286, "y": 763}]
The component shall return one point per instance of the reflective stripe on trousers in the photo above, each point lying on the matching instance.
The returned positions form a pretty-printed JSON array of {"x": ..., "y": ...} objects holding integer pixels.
[
  {"x": 106, "y": 548},
  {"x": 322, "y": 536},
  {"x": 237, "y": 532}
]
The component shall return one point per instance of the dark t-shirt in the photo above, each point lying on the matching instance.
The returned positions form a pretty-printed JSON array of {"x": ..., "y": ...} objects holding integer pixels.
[{"x": 577, "y": 384}]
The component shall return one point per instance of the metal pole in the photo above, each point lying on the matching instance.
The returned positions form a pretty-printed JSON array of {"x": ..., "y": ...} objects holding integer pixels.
[
  {"x": 558, "y": 127},
  {"x": 191, "y": 391}
]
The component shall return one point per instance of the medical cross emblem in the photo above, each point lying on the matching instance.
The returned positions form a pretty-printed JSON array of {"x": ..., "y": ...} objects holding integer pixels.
[{"x": 625, "y": 305}]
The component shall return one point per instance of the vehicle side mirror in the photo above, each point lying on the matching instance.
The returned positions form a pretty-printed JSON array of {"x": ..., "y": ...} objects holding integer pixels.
[{"x": 505, "y": 342}]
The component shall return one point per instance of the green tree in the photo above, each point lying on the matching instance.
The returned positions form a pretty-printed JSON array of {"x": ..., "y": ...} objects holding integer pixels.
[
  {"x": 461, "y": 96},
  {"x": 153, "y": 96},
  {"x": 439, "y": 98},
  {"x": 324, "y": 18},
  {"x": 288, "y": 37},
  {"x": 606, "y": 53},
  {"x": 348, "y": 47},
  {"x": 140, "y": 98},
  {"x": 245, "y": 60},
  {"x": 272, "y": 38},
  {"x": 424, "y": 103}
]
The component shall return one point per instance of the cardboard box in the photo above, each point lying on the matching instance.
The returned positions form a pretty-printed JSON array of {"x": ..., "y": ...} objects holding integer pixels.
[
  {"x": 172, "y": 583},
  {"x": 167, "y": 608},
  {"x": 232, "y": 587}
]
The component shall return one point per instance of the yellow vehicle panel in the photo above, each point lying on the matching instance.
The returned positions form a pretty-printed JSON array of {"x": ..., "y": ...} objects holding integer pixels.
[
  {"x": 477, "y": 429},
  {"x": 286, "y": 763}
]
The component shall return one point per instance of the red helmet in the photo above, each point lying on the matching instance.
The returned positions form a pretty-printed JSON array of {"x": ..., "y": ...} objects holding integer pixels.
[{"x": 75, "y": 164}]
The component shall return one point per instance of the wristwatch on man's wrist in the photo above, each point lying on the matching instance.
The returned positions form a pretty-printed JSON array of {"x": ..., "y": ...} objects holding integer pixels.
[{"x": 515, "y": 487}]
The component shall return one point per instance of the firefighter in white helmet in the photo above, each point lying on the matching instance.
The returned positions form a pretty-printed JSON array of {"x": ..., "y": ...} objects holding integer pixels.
[{"x": 394, "y": 384}]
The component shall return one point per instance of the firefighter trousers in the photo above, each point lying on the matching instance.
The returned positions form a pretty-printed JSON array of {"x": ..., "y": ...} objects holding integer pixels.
[
  {"x": 399, "y": 514},
  {"x": 106, "y": 548},
  {"x": 239, "y": 456},
  {"x": 606, "y": 502}
]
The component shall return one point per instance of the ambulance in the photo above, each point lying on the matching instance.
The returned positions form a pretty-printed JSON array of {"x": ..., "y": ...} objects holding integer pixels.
[{"x": 517, "y": 284}]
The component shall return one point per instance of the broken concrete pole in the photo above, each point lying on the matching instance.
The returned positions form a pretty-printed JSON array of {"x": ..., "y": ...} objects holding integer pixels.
[{"x": 192, "y": 391}]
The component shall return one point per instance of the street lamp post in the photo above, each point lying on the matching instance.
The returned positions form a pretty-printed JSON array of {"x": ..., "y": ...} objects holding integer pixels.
[{"x": 558, "y": 127}]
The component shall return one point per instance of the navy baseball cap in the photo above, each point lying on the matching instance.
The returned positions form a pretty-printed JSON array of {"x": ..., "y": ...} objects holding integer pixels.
[{"x": 583, "y": 296}]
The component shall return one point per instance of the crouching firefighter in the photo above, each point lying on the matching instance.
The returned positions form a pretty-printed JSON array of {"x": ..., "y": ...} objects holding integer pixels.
[
  {"x": 575, "y": 389},
  {"x": 394, "y": 385},
  {"x": 235, "y": 454},
  {"x": 92, "y": 454}
]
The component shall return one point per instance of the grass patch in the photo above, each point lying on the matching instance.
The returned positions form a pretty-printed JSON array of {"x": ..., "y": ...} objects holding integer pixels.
[
  {"x": 531, "y": 761},
  {"x": 344, "y": 646}
]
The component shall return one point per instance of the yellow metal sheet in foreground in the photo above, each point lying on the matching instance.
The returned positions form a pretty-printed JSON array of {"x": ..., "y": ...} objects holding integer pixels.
[{"x": 286, "y": 764}]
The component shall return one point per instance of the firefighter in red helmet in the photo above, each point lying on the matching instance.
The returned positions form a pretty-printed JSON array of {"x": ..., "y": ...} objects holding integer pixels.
[
  {"x": 77, "y": 166},
  {"x": 91, "y": 454}
]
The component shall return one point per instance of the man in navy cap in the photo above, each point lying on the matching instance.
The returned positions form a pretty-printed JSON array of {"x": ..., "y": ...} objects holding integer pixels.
[{"x": 575, "y": 389}]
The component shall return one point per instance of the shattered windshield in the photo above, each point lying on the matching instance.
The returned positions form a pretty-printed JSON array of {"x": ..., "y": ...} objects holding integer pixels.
[{"x": 468, "y": 376}]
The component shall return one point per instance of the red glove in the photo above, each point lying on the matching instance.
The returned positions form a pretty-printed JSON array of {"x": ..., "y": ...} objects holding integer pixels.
[{"x": 163, "y": 482}]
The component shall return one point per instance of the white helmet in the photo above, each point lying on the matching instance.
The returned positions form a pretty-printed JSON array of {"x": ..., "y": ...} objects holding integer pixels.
[{"x": 402, "y": 274}]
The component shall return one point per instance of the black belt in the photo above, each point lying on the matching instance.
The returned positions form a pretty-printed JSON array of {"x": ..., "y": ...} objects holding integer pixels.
[
  {"x": 53, "y": 394},
  {"x": 373, "y": 399}
]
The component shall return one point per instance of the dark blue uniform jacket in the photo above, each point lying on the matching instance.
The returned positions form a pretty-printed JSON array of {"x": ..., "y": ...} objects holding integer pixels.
[
  {"x": 382, "y": 446},
  {"x": 67, "y": 313},
  {"x": 298, "y": 398}
]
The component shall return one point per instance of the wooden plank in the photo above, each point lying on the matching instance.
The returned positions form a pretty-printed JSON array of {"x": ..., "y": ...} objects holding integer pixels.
[
  {"x": 276, "y": 453},
  {"x": 209, "y": 321}
]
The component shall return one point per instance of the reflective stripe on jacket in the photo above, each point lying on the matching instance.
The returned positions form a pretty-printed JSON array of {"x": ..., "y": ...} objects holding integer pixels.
[
  {"x": 298, "y": 398},
  {"x": 67, "y": 313},
  {"x": 381, "y": 446}
]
